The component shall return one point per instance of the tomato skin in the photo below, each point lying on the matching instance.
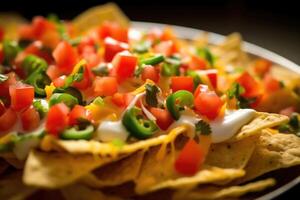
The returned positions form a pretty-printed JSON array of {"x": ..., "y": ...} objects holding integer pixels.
[
  {"x": 124, "y": 65},
  {"x": 189, "y": 159},
  {"x": 271, "y": 84},
  {"x": 208, "y": 104},
  {"x": 26, "y": 32},
  {"x": 86, "y": 81},
  {"x": 113, "y": 30},
  {"x": 149, "y": 72},
  {"x": 112, "y": 47},
  {"x": 197, "y": 63},
  {"x": 2, "y": 108},
  {"x": 2, "y": 32},
  {"x": 53, "y": 72},
  {"x": 30, "y": 119},
  {"x": 251, "y": 86},
  {"x": 212, "y": 75},
  {"x": 57, "y": 119},
  {"x": 79, "y": 112},
  {"x": 4, "y": 87},
  {"x": 105, "y": 86},
  {"x": 65, "y": 57},
  {"x": 262, "y": 66},
  {"x": 8, "y": 120},
  {"x": 21, "y": 96},
  {"x": 122, "y": 99},
  {"x": 201, "y": 88},
  {"x": 167, "y": 48},
  {"x": 182, "y": 83},
  {"x": 163, "y": 117},
  {"x": 40, "y": 25},
  {"x": 60, "y": 81}
]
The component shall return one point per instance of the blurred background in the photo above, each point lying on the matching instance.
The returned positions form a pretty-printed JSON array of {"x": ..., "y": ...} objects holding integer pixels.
[{"x": 274, "y": 25}]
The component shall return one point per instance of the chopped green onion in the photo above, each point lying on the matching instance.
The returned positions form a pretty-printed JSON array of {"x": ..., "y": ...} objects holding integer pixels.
[
  {"x": 151, "y": 95},
  {"x": 203, "y": 127}
]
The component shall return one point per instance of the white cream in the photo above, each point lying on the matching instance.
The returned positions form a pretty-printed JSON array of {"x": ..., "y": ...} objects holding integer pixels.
[
  {"x": 225, "y": 128},
  {"x": 222, "y": 128},
  {"x": 111, "y": 130}
]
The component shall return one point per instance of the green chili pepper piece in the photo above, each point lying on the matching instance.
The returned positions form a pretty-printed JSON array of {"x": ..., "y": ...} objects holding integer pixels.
[
  {"x": 72, "y": 91},
  {"x": 31, "y": 63},
  {"x": 68, "y": 99},
  {"x": 153, "y": 60},
  {"x": 75, "y": 134},
  {"x": 6, "y": 147},
  {"x": 10, "y": 49},
  {"x": 177, "y": 100},
  {"x": 39, "y": 80},
  {"x": 138, "y": 127},
  {"x": 195, "y": 76},
  {"x": 42, "y": 108}
]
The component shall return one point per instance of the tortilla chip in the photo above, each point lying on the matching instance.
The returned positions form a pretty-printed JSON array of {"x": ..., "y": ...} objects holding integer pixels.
[
  {"x": 115, "y": 173},
  {"x": 81, "y": 192},
  {"x": 55, "y": 170},
  {"x": 107, "y": 149},
  {"x": 12, "y": 187},
  {"x": 231, "y": 155},
  {"x": 262, "y": 121},
  {"x": 94, "y": 16},
  {"x": 157, "y": 173},
  {"x": 213, "y": 192},
  {"x": 11, "y": 23},
  {"x": 208, "y": 175},
  {"x": 273, "y": 151}
]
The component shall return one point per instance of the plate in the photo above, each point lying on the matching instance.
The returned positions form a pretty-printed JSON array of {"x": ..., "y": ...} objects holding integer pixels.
[{"x": 285, "y": 177}]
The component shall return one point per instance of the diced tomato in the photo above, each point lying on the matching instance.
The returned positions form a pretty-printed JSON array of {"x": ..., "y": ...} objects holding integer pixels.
[
  {"x": 2, "y": 108},
  {"x": 208, "y": 104},
  {"x": 122, "y": 99},
  {"x": 124, "y": 65},
  {"x": 35, "y": 48},
  {"x": 271, "y": 84},
  {"x": 251, "y": 86},
  {"x": 197, "y": 63},
  {"x": 4, "y": 86},
  {"x": 113, "y": 30},
  {"x": 21, "y": 96},
  {"x": 201, "y": 88},
  {"x": 182, "y": 83},
  {"x": 112, "y": 47},
  {"x": 262, "y": 66},
  {"x": 149, "y": 72},
  {"x": 60, "y": 81},
  {"x": 163, "y": 117},
  {"x": 41, "y": 25},
  {"x": 190, "y": 159},
  {"x": 8, "y": 120},
  {"x": 1, "y": 56},
  {"x": 57, "y": 119},
  {"x": 65, "y": 57},
  {"x": 86, "y": 80},
  {"x": 1, "y": 33},
  {"x": 167, "y": 48},
  {"x": 77, "y": 113},
  {"x": 167, "y": 34},
  {"x": 53, "y": 72},
  {"x": 212, "y": 75},
  {"x": 86, "y": 42},
  {"x": 26, "y": 32},
  {"x": 287, "y": 111},
  {"x": 105, "y": 86},
  {"x": 50, "y": 39},
  {"x": 30, "y": 119}
]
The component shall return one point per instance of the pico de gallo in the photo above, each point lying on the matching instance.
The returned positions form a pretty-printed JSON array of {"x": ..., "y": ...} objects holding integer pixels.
[{"x": 114, "y": 83}]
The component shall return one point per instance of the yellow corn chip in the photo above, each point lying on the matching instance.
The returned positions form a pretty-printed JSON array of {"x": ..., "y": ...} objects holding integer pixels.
[{"x": 212, "y": 192}]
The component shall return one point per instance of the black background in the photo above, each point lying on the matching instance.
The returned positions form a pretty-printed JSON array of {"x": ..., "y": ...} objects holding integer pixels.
[{"x": 274, "y": 25}]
